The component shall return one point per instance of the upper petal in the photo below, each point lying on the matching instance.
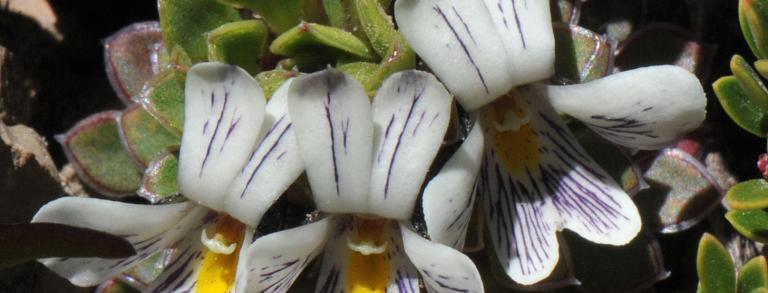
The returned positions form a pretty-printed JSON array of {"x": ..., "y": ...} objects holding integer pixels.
[
  {"x": 224, "y": 110},
  {"x": 442, "y": 268},
  {"x": 147, "y": 228},
  {"x": 480, "y": 51},
  {"x": 410, "y": 115},
  {"x": 448, "y": 197},
  {"x": 273, "y": 262},
  {"x": 644, "y": 108},
  {"x": 273, "y": 165},
  {"x": 332, "y": 120}
]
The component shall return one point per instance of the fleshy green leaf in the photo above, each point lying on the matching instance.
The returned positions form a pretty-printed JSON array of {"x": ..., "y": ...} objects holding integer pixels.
[
  {"x": 311, "y": 38},
  {"x": 96, "y": 150},
  {"x": 25, "y": 242},
  {"x": 753, "y": 19},
  {"x": 750, "y": 82},
  {"x": 239, "y": 43},
  {"x": 762, "y": 67},
  {"x": 164, "y": 100},
  {"x": 185, "y": 23},
  {"x": 280, "y": 15},
  {"x": 150, "y": 269},
  {"x": 377, "y": 25},
  {"x": 681, "y": 192},
  {"x": 143, "y": 136},
  {"x": 580, "y": 54},
  {"x": 715, "y": 267},
  {"x": 273, "y": 79},
  {"x": 132, "y": 57},
  {"x": 740, "y": 107},
  {"x": 160, "y": 184},
  {"x": 751, "y": 223},
  {"x": 748, "y": 195},
  {"x": 753, "y": 275}
]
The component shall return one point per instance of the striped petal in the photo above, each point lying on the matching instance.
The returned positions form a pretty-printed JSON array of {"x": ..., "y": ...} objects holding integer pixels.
[
  {"x": 410, "y": 116},
  {"x": 224, "y": 110},
  {"x": 343, "y": 269},
  {"x": 443, "y": 269},
  {"x": 449, "y": 198},
  {"x": 273, "y": 165},
  {"x": 147, "y": 228},
  {"x": 273, "y": 262},
  {"x": 480, "y": 51},
  {"x": 537, "y": 180},
  {"x": 332, "y": 119},
  {"x": 180, "y": 275},
  {"x": 645, "y": 108}
]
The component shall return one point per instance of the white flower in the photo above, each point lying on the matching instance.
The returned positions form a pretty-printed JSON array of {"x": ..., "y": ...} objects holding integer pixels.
[
  {"x": 536, "y": 179},
  {"x": 366, "y": 164},
  {"x": 237, "y": 156}
]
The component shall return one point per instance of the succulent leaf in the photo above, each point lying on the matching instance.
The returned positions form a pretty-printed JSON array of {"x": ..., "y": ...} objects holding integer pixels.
[
  {"x": 581, "y": 55},
  {"x": 753, "y": 19},
  {"x": 715, "y": 267},
  {"x": 96, "y": 150},
  {"x": 753, "y": 275},
  {"x": 751, "y": 223},
  {"x": 273, "y": 79},
  {"x": 306, "y": 38},
  {"x": 160, "y": 183},
  {"x": 132, "y": 56},
  {"x": 164, "y": 100},
  {"x": 280, "y": 15},
  {"x": 239, "y": 43},
  {"x": 143, "y": 136},
  {"x": 748, "y": 195},
  {"x": 185, "y": 23},
  {"x": 750, "y": 82},
  {"x": 741, "y": 107}
]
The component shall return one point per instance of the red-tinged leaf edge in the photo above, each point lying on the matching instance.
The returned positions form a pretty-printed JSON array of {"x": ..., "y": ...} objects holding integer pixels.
[{"x": 126, "y": 34}]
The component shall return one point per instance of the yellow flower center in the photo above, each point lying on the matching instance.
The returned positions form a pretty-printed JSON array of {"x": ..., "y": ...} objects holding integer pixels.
[
  {"x": 506, "y": 121},
  {"x": 368, "y": 266},
  {"x": 219, "y": 266}
]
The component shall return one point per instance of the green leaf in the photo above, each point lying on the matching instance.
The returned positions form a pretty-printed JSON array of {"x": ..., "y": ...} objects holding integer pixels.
[
  {"x": 753, "y": 19},
  {"x": 751, "y": 223},
  {"x": 580, "y": 54},
  {"x": 377, "y": 25},
  {"x": 336, "y": 11},
  {"x": 748, "y": 195},
  {"x": 185, "y": 23},
  {"x": 25, "y": 242},
  {"x": 762, "y": 67},
  {"x": 273, "y": 79},
  {"x": 740, "y": 107},
  {"x": 760, "y": 290},
  {"x": 715, "y": 267},
  {"x": 239, "y": 43},
  {"x": 131, "y": 57},
  {"x": 750, "y": 82},
  {"x": 280, "y": 15},
  {"x": 96, "y": 150},
  {"x": 401, "y": 58},
  {"x": 164, "y": 100},
  {"x": 313, "y": 39},
  {"x": 143, "y": 136},
  {"x": 160, "y": 184},
  {"x": 753, "y": 275}
]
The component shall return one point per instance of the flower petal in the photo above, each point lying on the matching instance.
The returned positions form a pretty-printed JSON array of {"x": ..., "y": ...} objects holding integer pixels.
[
  {"x": 147, "y": 228},
  {"x": 180, "y": 275},
  {"x": 442, "y": 268},
  {"x": 273, "y": 165},
  {"x": 449, "y": 198},
  {"x": 538, "y": 179},
  {"x": 480, "y": 52},
  {"x": 273, "y": 262},
  {"x": 332, "y": 120},
  {"x": 410, "y": 113},
  {"x": 644, "y": 108},
  {"x": 338, "y": 264},
  {"x": 224, "y": 109}
]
